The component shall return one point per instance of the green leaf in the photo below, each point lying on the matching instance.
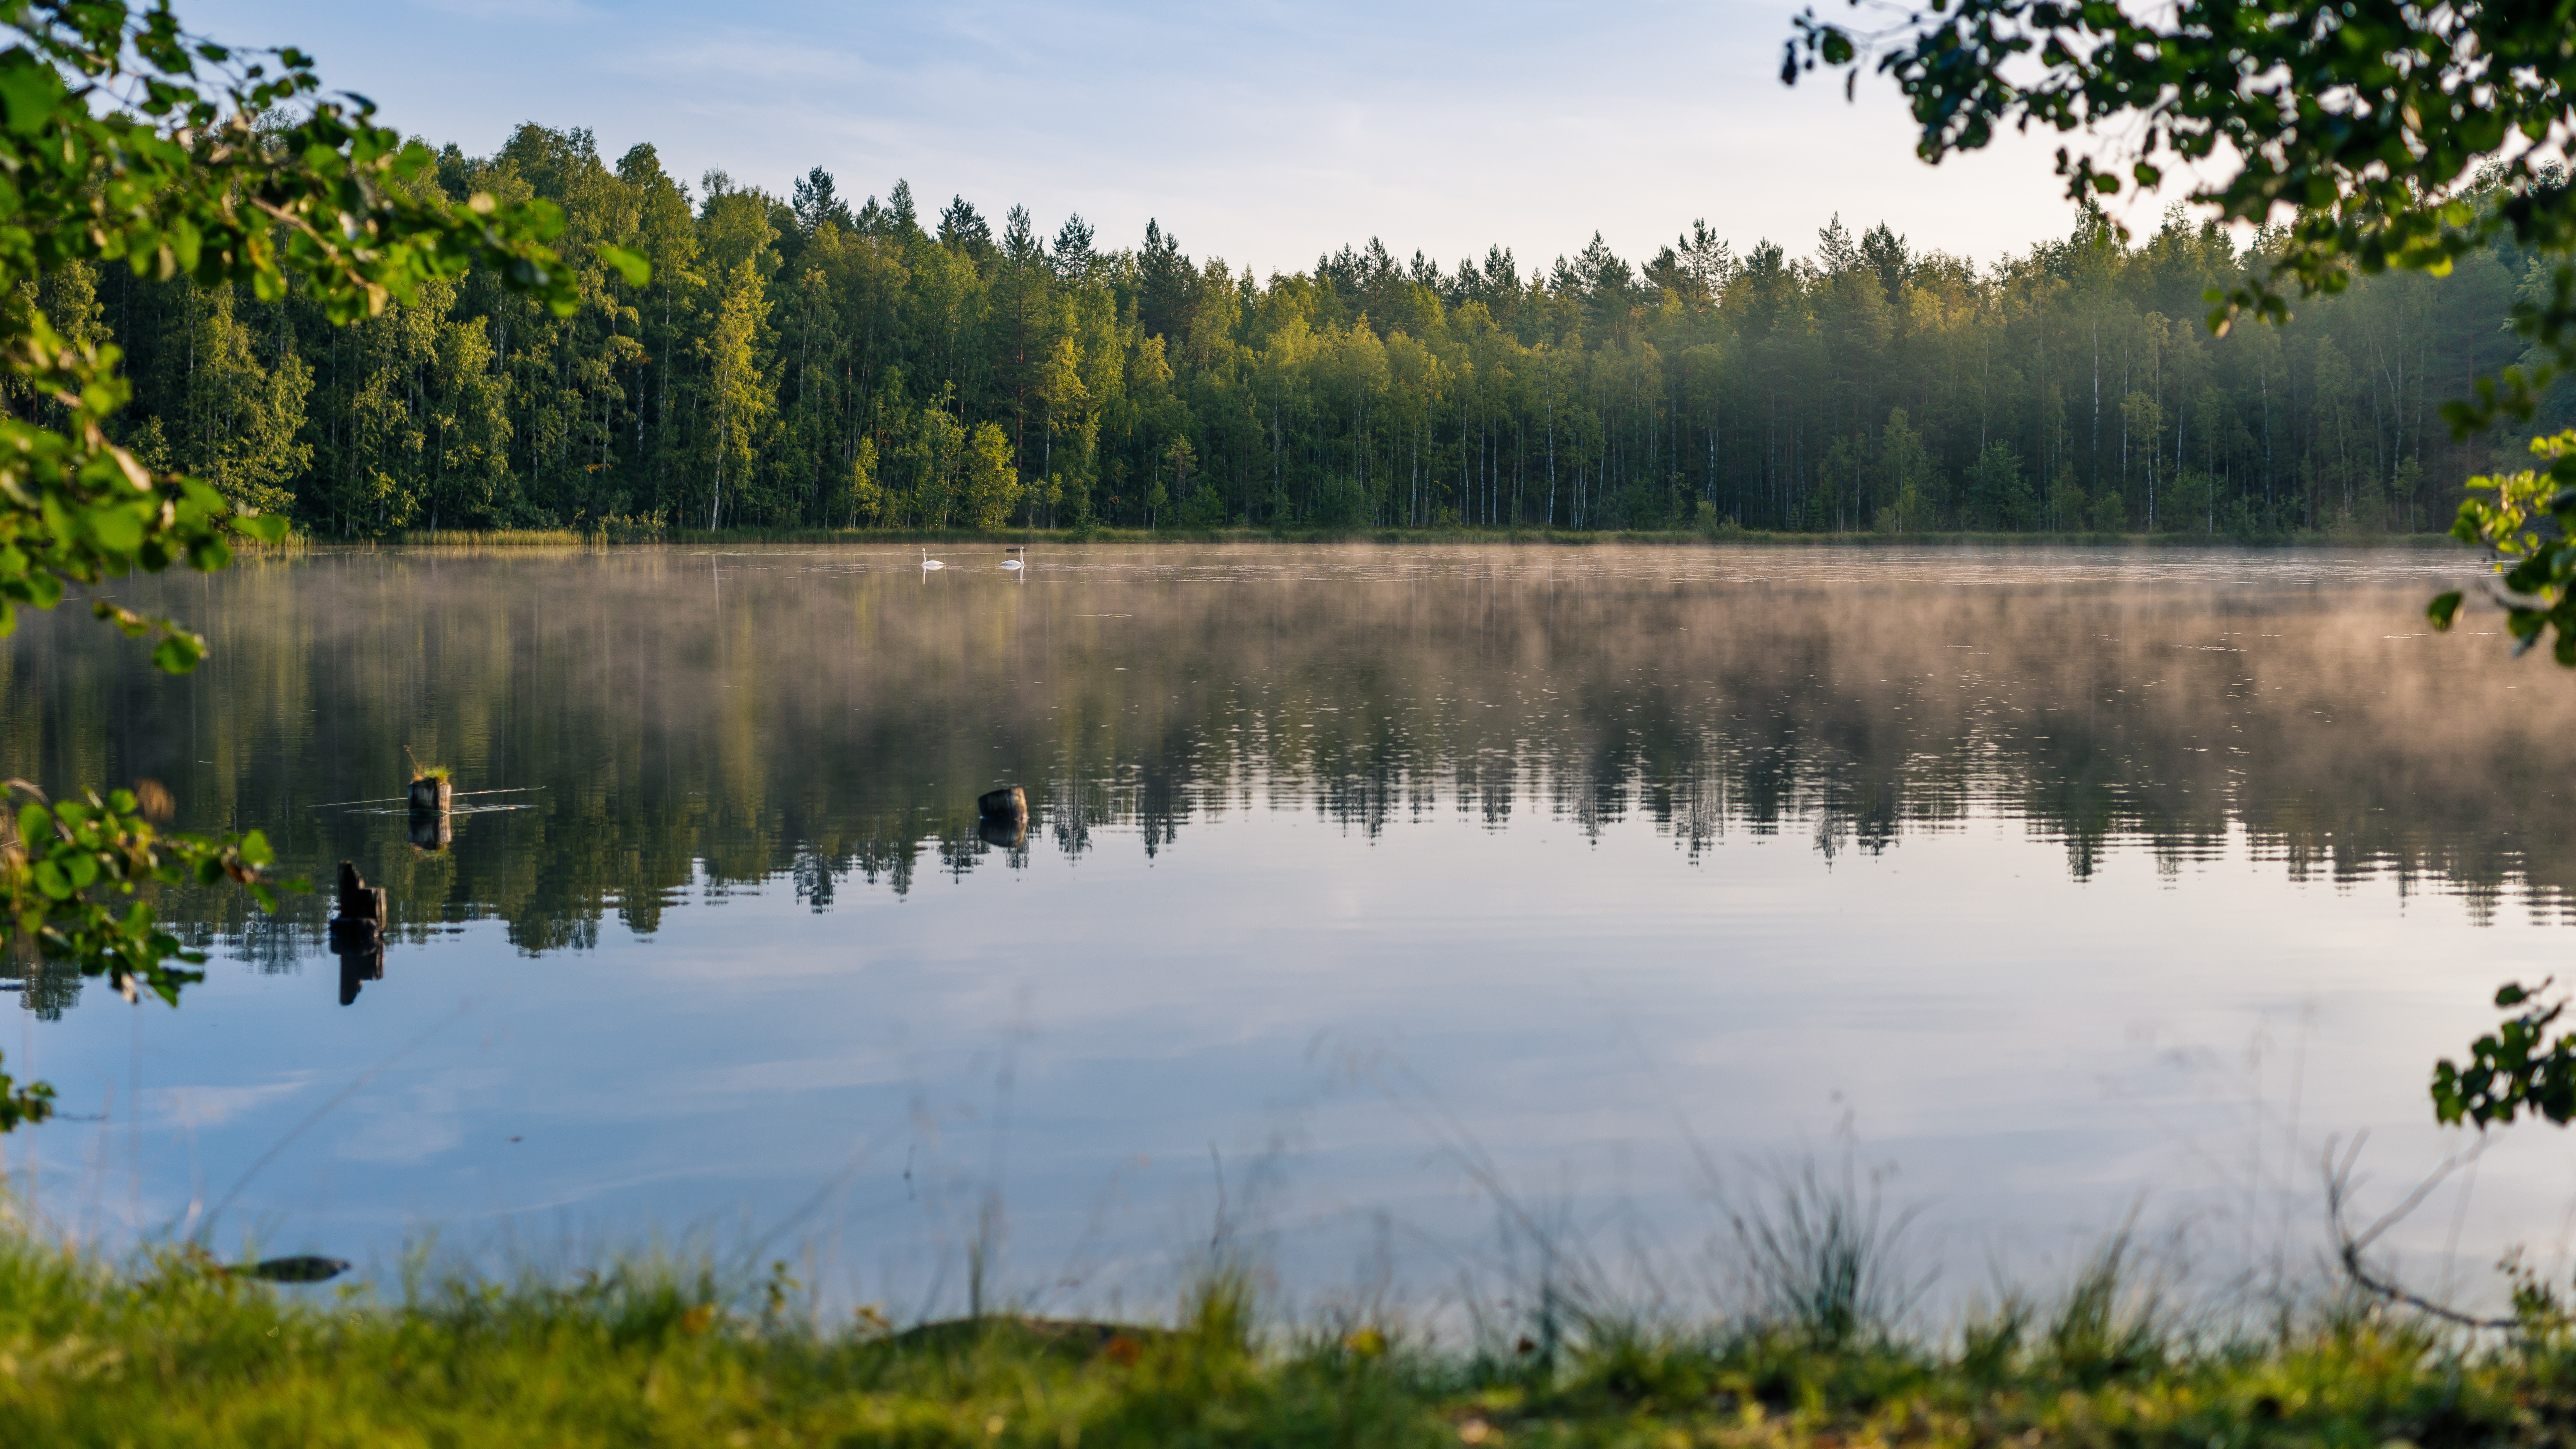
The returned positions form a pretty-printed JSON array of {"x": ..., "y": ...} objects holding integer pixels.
[
  {"x": 116, "y": 530},
  {"x": 178, "y": 654},
  {"x": 266, "y": 527},
  {"x": 2441, "y": 611},
  {"x": 629, "y": 265},
  {"x": 30, "y": 92},
  {"x": 51, "y": 880}
]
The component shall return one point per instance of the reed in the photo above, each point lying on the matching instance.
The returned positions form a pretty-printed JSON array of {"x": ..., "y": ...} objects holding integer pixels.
[{"x": 1824, "y": 1260}]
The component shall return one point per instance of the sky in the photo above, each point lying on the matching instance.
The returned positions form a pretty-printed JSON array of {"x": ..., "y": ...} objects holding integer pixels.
[{"x": 1263, "y": 133}]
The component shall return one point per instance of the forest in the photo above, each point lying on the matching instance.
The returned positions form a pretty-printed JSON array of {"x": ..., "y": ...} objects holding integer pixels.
[{"x": 801, "y": 362}]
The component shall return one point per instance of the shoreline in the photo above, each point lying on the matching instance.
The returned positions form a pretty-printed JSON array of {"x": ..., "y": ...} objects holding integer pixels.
[
  {"x": 176, "y": 1347},
  {"x": 1387, "y": 537}
]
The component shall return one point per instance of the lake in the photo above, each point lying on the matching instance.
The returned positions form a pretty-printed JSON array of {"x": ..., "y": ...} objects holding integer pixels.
[{"x": 1386, "y": 914}]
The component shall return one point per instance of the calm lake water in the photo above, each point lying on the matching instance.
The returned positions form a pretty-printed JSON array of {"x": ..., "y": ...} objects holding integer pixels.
[{"x": 1380, "y": 907}]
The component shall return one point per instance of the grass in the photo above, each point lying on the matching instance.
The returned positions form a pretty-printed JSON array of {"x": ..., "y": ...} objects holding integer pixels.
[{"x": 173, "y": 1350}]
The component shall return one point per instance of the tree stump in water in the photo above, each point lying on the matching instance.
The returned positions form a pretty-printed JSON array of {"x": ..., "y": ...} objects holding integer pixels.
[
  {"x": 359, "y": 903},
  {"x": 1008, "y": 803},
  {"x": 431, "y": 795},
  {"x": 358, "y": 932}
]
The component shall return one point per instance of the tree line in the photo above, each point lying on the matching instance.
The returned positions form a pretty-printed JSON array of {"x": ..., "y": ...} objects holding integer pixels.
[{"x": 800, "y": 362}]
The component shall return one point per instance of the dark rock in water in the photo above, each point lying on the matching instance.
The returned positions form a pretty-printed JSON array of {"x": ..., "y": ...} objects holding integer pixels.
[
  {"x": 1008, "y": 803},
  {"x": 1005, "y": 832},
  {"x": 304, "y": 1269}
]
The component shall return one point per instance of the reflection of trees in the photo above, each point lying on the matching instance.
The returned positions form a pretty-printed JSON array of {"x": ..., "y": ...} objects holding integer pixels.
[
  {"x": 809, "y": 731},
  {"x": 47, "y": 988}
]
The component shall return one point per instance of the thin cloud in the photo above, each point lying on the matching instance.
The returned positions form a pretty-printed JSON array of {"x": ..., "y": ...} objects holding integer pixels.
[{"x": 207, "y": 1106}]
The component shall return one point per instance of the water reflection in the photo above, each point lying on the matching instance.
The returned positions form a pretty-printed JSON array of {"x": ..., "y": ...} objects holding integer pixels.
[{"x": 690, "y": 720}]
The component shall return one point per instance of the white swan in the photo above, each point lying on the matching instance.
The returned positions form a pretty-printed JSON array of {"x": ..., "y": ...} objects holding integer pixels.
[
  {"x": 1012, "y": 563},
  {"x": 927, "y": 562}
]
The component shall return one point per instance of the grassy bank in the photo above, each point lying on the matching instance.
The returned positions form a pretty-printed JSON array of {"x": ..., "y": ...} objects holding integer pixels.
[
  {"x": 179, "y": 1352},
  {"x": 1052, "y": 538}
]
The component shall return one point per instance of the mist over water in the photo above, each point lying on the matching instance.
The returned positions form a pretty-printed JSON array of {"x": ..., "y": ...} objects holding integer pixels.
[{"x": 1357, "y": 882}]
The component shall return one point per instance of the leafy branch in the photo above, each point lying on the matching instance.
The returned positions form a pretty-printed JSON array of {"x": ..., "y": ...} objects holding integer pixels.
[
  {"x": 2515, "y": 1068},
  {"x": 2528, "y": 520},
  {"x": 66, "y": 867}
]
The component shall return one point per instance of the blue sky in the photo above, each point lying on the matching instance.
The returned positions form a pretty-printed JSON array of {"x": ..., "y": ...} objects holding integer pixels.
[{"x": 1263, "y": 133}]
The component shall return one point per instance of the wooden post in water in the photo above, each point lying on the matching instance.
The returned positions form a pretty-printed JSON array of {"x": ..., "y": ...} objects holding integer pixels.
[{"x": 432, "y": 794}]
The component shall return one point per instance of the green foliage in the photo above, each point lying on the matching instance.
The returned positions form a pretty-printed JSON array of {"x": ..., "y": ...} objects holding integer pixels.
[
  {"x": 240, "y": 419},
  {"x": 2530, "y": 524},
  {"x": 2513, "y": 1069},
  {"x": 1999, "y": 493},
  {"x": 76, "y": 509},
  {"x": 774, "y": 348},
  {"x": 2368, "y": 124},
  {"x": 71, "y": 873}
]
